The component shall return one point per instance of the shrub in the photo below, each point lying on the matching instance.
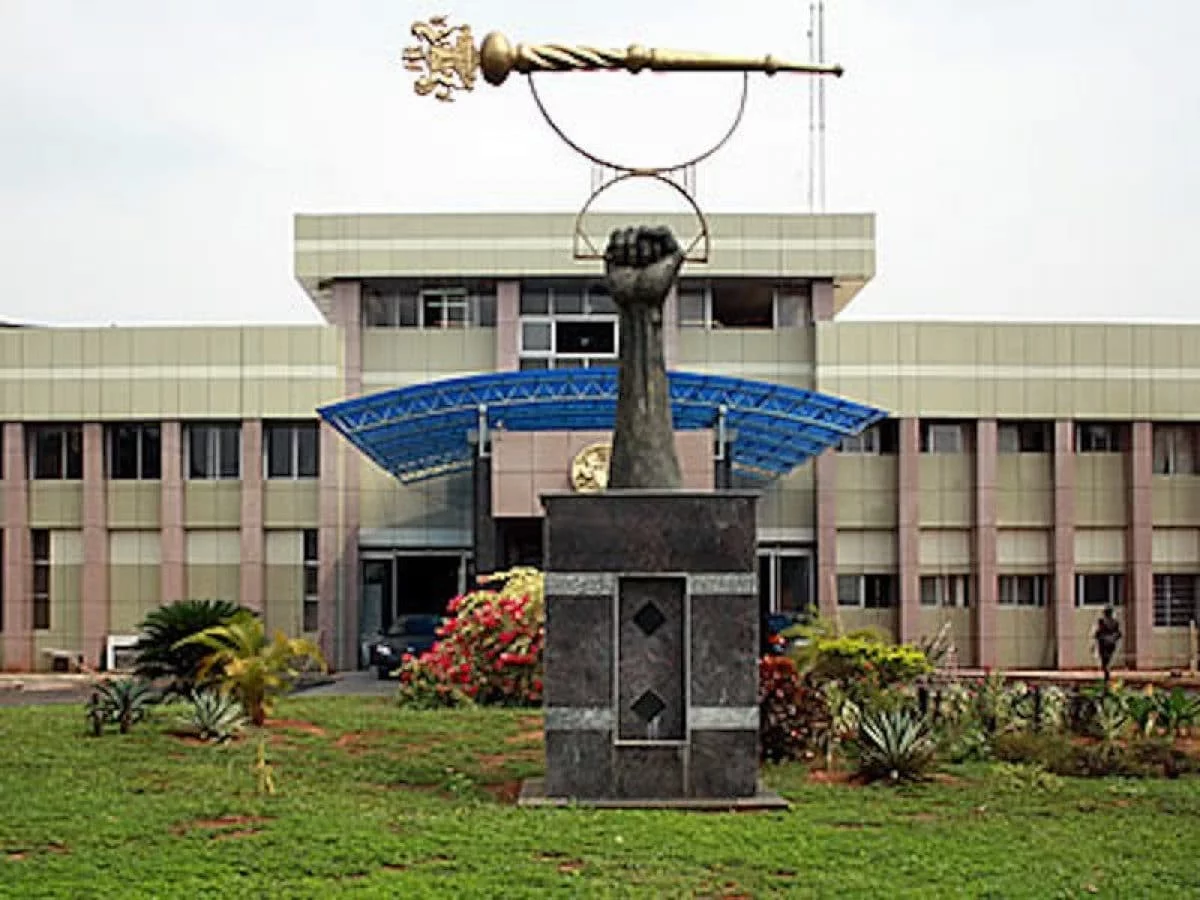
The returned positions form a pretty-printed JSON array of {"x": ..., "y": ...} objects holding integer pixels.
[
  {"x": 1051, "y": 750},
  {"x": 251, "y": 667},
  {"x": 861, "y": 659},
  {"x": 123, "y": 703},
  {"x": 489, "y": 650},
  {"x": 159, "y": 651},
  {"x": 894, "y": 744},
  {"x": 1025, "y": 778},
  {"x": 214, "y": 716},
  {"x": 793, "y": 717}
]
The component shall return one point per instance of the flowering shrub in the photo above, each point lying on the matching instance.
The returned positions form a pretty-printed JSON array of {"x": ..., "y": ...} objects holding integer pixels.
[
  {"x": 489, "y": 648},
  {"x": 792, "y": 715},
  {"x": 853, "y": 659}
]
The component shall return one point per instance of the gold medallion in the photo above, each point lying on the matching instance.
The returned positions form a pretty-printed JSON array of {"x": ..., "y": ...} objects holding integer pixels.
[{"x": 589, "y": 469}]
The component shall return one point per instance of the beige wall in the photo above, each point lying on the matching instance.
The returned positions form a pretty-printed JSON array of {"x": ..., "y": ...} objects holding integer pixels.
[
  {"x": 397, "y": 357},
  {"x": 1014, "y": 370},
  {"x": 1024, "y": 490},
  {"x": 283, "y": 608},
  {"x": 1025, "y": 638},
  {"x": 866, "y": 491},
  {"x": 66, "y": 576},
  {"x": 214, "y": 564},
  {"x": 108, "y": 374},
  {"x": 134, "y": 560}
]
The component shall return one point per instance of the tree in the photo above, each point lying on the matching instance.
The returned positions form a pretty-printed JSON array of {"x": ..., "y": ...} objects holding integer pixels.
[
  {"x": 160, "y": 653},
  {"x": 248, "y": 665}
]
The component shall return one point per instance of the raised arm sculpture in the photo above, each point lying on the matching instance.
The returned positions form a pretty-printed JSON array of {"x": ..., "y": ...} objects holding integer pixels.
[{"x": 640, "y": 266}]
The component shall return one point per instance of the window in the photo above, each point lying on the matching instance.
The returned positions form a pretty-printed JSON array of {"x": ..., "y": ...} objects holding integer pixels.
[
  {"x": 785, "y": 580},
  {"x": 567, "y": 325},
  {"x": 56, "y": 451},
  {"x": 1175, "y": 450},
  {"x": 693, "y": 308},
  {"x": 952, "y": 591},
  {"x": 214, "y": 451},
  {"x": 1099, "y": 590},
  {"x": 456, "y": 306},
  {"x": 942, "y": 437},
  {"x": 444, "y": 308},
  {"x": 867, "y": 591},
  {"x": 292, "y": 449},
  {"x": 135, "y": 451},
  {"x": 741, "y": 304},
  {"x": 880, "y": 438},
  {"x": 1024, "y": 437},
  {"x": 40, "y": 539},
  {"x": 1098, "y": 437},
  {"x": 1024, "y": 590},
  {"x": 311, "y": 581},
  {"x": 1175, "y": 601}
]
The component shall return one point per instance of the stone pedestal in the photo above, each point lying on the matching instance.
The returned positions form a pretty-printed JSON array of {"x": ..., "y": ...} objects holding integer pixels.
[{"x": 651, "y": 647}]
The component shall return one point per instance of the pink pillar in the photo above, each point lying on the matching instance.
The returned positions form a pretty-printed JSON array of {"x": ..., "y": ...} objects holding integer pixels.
[
  {"x": 327, "y": 541},
  {"x": 826, "y": 478},
  {"x": 347, "y": 302},
  {"x": 909, "y": 528},
  {"x": 174, "y": 547},
  {"x": 671, "y": 327},
  {"x": 253, "y": 539},
  {"x": 822, "y": 301},
  {"x": 1139, "y": 615},
  {"x": 1064, "y": 544},
  {"x": 985, "y": 542},
  {"x": 508, "y": 325},
  {"x": 18, "y": 562},
  {"x": 94, "y": 590}
]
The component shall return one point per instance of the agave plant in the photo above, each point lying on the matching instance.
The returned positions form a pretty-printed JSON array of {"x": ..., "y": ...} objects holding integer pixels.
[
  {"x": 214, "y": 716},
  {"x": 159, "y": 651},
  {"x": 248, "y": 665},
  {"x": 124, "y": 703},
  {"x": 894, "y": 744},
  {"x": 1177, "y": 710}
]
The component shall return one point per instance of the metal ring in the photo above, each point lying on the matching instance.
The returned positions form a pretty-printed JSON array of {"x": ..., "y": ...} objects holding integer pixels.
[
  {"x": 654, "y": 170},
  {"x": 592, "y": 252}
]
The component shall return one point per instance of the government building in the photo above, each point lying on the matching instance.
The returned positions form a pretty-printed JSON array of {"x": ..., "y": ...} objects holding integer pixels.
[{"x": 1009, "y": 479}]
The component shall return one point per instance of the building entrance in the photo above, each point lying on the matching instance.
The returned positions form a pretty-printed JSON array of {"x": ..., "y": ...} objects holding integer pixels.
[{"x": 399, "y": 583}]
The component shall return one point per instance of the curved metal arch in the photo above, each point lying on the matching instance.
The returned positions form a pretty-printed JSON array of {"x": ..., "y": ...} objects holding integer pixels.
[{"x": 424, "y": 431}]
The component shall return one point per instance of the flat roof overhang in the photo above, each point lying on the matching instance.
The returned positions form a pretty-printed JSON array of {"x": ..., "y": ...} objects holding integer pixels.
[{"x": 428, "y": 430}]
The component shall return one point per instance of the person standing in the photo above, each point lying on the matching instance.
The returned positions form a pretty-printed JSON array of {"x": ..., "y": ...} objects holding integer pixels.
[{"x": 1108, "y": 636}]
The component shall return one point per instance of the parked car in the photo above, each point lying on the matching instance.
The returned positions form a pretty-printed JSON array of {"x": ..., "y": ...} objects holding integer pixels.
[{"x": 409, "y": 634}]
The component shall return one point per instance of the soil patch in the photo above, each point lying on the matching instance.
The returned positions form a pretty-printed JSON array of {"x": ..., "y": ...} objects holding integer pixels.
[
  {"x": 504, "y": 792},
  {"x": 531, "y": 736},
  {"x": 235, "y": 822},
  {"x": 571, "y": 866},
  {"x": 834, "y": 776},
  {"x": 239, "y": 833},
  {"x": 356, "y": 742},
  {"x": 297, "y": 725}
]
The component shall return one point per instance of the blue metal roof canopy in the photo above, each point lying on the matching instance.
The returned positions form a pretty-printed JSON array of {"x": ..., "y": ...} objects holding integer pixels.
[{"x": 423, "y": 431}]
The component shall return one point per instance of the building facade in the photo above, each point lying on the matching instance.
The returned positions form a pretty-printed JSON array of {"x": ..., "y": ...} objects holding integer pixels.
[{"x": 1028, "y": 474}]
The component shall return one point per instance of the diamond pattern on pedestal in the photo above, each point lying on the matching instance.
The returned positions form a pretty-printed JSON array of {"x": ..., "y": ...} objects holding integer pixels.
[
  {"x": 649, "y": 618},
  {"x": 648, "y": 705}
]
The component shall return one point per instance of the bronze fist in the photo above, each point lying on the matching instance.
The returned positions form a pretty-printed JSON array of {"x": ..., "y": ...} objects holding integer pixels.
[{"x": 640, "y": 264}]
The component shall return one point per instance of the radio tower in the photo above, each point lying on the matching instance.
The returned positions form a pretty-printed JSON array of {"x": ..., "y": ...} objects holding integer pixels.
[{"x": 816, "y": 109}]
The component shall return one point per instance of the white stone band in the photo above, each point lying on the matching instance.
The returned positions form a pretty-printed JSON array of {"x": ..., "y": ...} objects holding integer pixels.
[
  {"x": 580, "y": 584},
  {"x": 723, "y": 718},
  {"x": 560, "y": 718},
  {"x": 722, "y": 583}
]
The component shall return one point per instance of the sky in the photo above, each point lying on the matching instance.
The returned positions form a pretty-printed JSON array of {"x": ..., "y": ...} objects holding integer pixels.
[{"x": 1025, "y": 160}]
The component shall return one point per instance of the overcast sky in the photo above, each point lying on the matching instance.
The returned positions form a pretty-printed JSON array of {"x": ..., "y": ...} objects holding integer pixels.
[{"x": 1025, "y": 159}]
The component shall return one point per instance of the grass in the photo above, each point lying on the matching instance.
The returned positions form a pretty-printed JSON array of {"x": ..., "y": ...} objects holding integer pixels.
[{"x": 375, "y": 801}]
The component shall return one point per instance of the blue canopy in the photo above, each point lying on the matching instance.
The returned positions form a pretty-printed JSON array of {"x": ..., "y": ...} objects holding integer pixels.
[{"x": 424, "y": 431}]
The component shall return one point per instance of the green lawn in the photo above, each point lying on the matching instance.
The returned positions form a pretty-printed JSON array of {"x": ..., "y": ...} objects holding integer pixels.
[{"x": 404, "y": 804}]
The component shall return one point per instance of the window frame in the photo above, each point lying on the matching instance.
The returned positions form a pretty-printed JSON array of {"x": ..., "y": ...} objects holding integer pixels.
[
  {"x": 1177, "y": 441},
  {"x": 1167, "y": 607},
  {"x": 929, "y": 429},
  {"x": 213, "y": 450},
  {"x": 1114, "y": 592},
  {"x": 1112, "y": 443},
  {"x": 597, "y": 308},
  {"x": 1022, "y": 431},
  {"x": 292, "y": 428},
  {"x": 40, "y": 595},
  {"x": 70, "y": 451},
  {"x": 1042, "y": 590},
  {"x": 310, "y": 608},
  {"x": 142, "y": 431},
  {"x": 862, "y": 579},
  {"x": 950, "y": 591},
  {"x": 446, "y": 299}
]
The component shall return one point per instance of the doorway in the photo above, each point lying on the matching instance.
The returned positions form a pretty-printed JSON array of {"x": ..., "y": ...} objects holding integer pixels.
[
  {"x": 785, "y": 584},
  {"x": 399, "y": 583}
]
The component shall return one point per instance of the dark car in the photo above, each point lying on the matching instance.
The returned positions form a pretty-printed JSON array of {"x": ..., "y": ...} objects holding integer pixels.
[
  {"x": 775, "y": 642},
  {"x": 409, "y": 634}
]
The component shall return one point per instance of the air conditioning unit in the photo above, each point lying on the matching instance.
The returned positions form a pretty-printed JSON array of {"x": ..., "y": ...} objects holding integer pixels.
[{"x": 119, "y": 654}]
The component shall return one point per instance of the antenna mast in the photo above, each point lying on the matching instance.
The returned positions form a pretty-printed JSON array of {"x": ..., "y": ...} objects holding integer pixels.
[{"x": 821, "y": 104}]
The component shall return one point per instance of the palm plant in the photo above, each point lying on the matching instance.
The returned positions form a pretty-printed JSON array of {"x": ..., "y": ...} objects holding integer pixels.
[
  {"x": 214, "y": 716},
  {"x": 1177, "y": 710},
  {"x": 895, "y": 744},
  {"x": 124, "y": 703},
  {"x": 160, "y": 653},
  {"x": 248, "y": 665}
]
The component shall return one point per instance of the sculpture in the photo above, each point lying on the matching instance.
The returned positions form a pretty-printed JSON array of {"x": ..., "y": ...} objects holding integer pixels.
[{"x": 640, "y": 266}]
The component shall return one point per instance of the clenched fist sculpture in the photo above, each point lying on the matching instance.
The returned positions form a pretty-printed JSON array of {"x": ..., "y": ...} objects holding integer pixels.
[{"x": 640, "y": 267}]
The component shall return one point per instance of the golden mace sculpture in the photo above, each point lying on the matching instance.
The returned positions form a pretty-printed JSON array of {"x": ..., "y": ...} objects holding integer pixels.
[{"x": 448, "y": 60}]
